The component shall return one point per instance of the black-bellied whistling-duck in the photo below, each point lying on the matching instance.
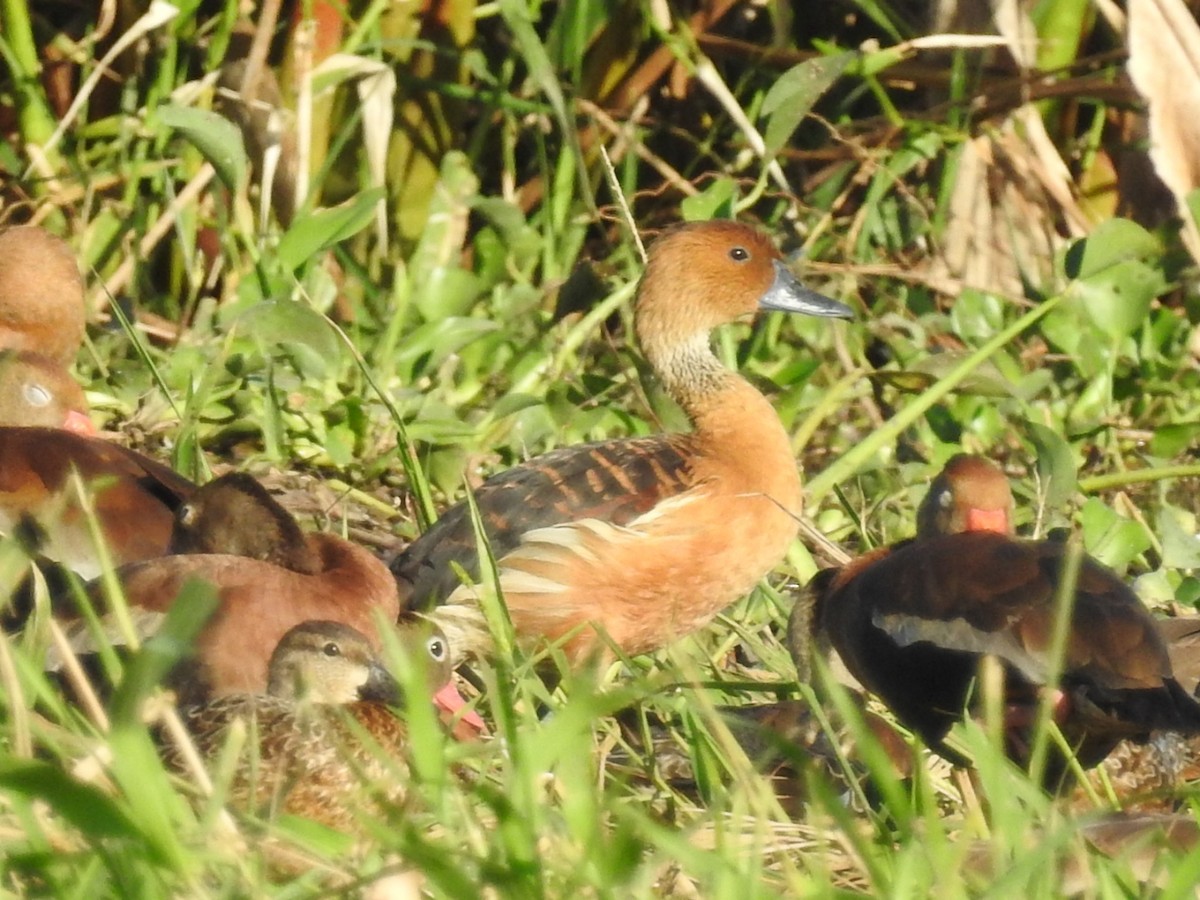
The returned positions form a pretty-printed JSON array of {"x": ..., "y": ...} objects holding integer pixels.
[
  {"x": 310, "y": 758},
  {"x": 912, "y": 624},
  {"x": 41, "y": 295},
  {"x": 645, "y": 539},
  {"x": 36, "y": 390},
  {"x": 135, "y": 497},
  {"x": 259, "y": 600}
]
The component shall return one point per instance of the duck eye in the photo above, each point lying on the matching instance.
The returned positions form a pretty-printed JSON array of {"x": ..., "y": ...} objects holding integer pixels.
[
  {"x": 36, "y": 395},
  {"x": 187, "y": 514},
  {"x": 436, "y": 648},
  {"x": 331, "y": 649},
  {"x": 946, "y": 499},
  {"x": 739, "y": 254}
]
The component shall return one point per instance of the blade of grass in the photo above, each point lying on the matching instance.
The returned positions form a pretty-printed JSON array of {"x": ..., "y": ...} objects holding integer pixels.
[{"x": 860, "y": 453}]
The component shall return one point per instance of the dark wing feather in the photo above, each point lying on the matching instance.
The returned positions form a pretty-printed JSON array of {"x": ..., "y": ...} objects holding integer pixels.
[
  {"x": 615, "y": 481},
  {"x": 914, "y": 625}
]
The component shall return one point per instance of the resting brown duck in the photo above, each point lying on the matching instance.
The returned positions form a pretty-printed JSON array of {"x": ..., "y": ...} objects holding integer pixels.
[
  {"x": 37, "y": 391},
  {"x": 135, "y": 498}
]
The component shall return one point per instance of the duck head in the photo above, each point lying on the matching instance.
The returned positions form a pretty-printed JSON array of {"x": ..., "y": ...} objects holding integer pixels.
[
  {"x": 971, "y": 493},
  {"x": 35, "y": 390},
  {"x": 234, "y": 514},
  {"x": 327, "y": 662},
  {"x": 704, "y": 274}
]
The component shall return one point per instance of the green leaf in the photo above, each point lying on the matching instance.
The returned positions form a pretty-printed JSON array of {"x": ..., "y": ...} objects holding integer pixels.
[
  {"x": 218, "y": 140},
  {"x": 793, "y": 95},
  {"x": 1055, "y": 464},
  {"x": 1171, "y": 440},
  {"x": 1177, "y": 530},
  {"x": 714, "y": 202},
  {"x": 310, "y": 234},
  {"x": 1112, "y": 539},
  {"x": 287, "y": 322},
  {"x": 1112, "y": 242},
  {"x": 1116, "y": 272},
  {"x": 1118, "y": 298}
]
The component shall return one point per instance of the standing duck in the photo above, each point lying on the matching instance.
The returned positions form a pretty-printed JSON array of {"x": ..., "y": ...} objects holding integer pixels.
[
  {"x": 37, "y": 391},
  {"x": 913, "y": 622},
  {"x": 643, "y": 540},
  {"x": 311, "y": 759},
  {"x": 41, "y": 295},
  {"x": 269, "y": 575}
]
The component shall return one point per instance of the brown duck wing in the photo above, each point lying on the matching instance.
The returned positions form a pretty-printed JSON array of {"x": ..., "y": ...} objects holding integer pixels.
[
  {"x": 135, "y": 497},
  {"x": 311, "y": 762},
  {"x": 1182, "y": 636},
  {"x": 913, "y": 626},
  {"x": 614, "y": 481}
]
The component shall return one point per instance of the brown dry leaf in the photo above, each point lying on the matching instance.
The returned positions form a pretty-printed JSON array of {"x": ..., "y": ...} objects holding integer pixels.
[
  {"x": 1164, "y": 63},
  {"x": 1012, "y": 185},
  {"x": 1000, "y": 230}
]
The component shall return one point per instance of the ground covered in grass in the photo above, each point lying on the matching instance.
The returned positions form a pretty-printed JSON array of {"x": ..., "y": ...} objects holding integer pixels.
[{"x": 438, "y": 285}]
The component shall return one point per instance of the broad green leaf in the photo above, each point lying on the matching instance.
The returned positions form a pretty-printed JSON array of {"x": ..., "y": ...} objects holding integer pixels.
[
  {"x": 310, "y": 234},
  {"x": 714, "y": 202},
  {"x": 1112, "y": 242},
  {"x": 1177, "y": 530},
  {"x": 1112, "y": 539},
  {"x": 795, "y": 92},
  {"x": 218, "y": 140},
  {"x": 1118, "y": 298},
  {"x": 1055, "y": 464},
  {"x": 274, "y": 322}
]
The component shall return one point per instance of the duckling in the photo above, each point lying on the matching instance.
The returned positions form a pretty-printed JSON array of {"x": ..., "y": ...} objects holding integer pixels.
[
  {"x": 307, "y": 756},
  {"x": 641, "y": 541}
]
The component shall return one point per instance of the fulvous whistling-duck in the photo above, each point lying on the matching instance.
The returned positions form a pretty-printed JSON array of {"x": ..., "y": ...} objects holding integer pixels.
[
  {"x": 258, "y": 600},
  {"x": 913, "y": 622},
  {"x": 645, "y": 539},
  {"x": 41, "y": 295},
  {"x": 325, "y": 689}
]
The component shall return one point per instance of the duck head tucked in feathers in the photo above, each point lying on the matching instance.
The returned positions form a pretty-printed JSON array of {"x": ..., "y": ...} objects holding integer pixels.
[{"x": 41, "y": 295}]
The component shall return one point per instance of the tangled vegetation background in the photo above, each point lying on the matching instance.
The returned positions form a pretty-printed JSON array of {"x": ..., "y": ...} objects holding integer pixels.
[{"x": 435, "y": 282}]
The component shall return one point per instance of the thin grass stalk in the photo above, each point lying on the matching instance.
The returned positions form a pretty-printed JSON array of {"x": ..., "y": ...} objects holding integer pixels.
[
  {"x": 17, "y": 44},
  {"x": 867, "y": 449},
  {"x": 1064, "y": 611}
]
